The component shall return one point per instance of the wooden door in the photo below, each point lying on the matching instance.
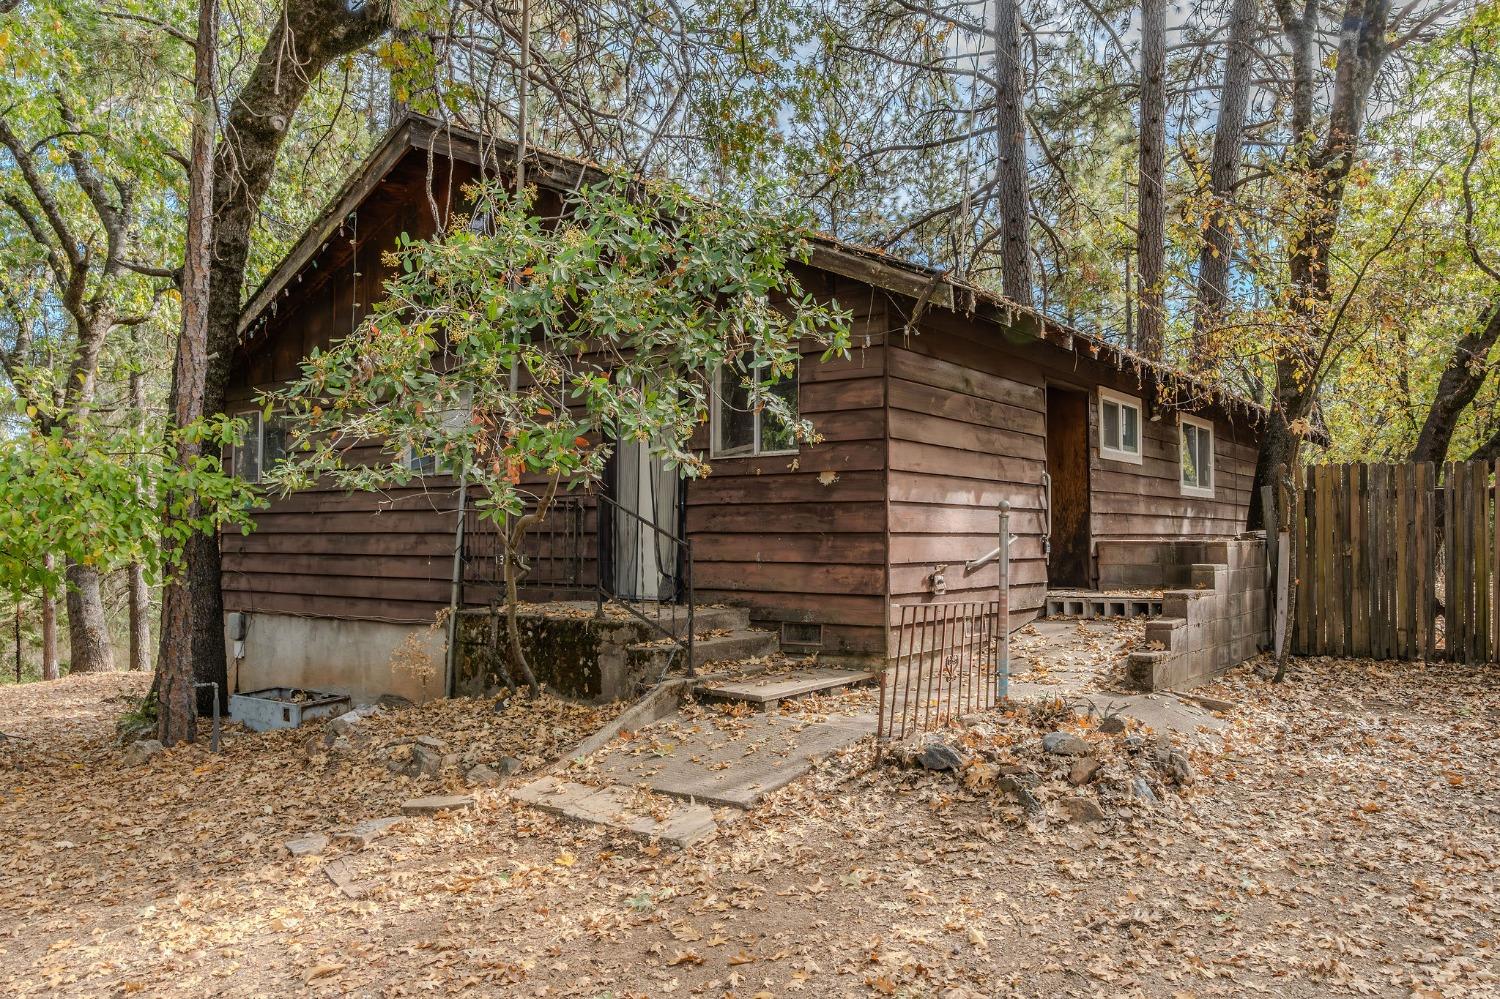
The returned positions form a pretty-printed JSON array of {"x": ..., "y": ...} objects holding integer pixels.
[{"x": 1068, "y": 464}]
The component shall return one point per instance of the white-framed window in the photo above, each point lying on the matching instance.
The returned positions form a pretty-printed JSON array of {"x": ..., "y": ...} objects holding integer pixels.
[
  {"x": 1119, "y": 426},
  {"x": 425, "y": 463},
  {"x": 422, "y": 463},
  {"x": 741, "y": 426},
  {"x": 263, "y": 447},
  {"x": 1197, "y": 456}
]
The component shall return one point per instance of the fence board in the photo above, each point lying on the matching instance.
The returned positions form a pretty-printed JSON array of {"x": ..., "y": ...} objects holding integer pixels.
[{"x": 1375, "y": 576}]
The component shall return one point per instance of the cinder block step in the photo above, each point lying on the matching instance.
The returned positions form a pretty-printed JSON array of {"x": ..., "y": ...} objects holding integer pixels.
[
  {"x": 741, "y": 643},
  {"x": 1089, "y": 605},
  {"x": 766, "y": 692}
]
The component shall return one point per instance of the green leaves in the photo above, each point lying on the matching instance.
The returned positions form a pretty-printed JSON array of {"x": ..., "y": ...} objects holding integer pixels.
[{"x": 611, "y": 317}]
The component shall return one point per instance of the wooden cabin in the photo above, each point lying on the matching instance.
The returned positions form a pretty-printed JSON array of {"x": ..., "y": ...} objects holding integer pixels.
[{"x": 951, "y": 401}]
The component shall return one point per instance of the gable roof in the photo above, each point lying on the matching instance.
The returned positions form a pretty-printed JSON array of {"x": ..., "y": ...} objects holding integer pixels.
[{"x": 928, "y": 287}]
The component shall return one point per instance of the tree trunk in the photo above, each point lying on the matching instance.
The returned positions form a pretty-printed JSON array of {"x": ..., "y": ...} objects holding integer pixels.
[
  {"x": 1151, "y": 231},
  {"x": 140, "y": 594},
  {"x": 1223, "y": 171},
  {"x": 306, "y": 38},
  {"x": 89, "y": 650},
  {"x": 177, "y": 701},
  {"x": 1010, "y": 166},
  {"x": 1467, "y": 368},
  {"x": 49, "y": 630}
]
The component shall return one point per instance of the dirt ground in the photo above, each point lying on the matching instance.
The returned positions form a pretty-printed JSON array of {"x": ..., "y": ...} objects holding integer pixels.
[{"x": 1346, "y": 841}]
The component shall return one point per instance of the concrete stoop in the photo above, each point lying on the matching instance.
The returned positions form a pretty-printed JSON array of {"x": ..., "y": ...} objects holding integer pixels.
[
  {"x": 743, "y": 642},
  {"x": 766, "y": 691}
]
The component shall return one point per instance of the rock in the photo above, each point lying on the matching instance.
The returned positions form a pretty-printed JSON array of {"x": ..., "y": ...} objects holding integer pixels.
[
  {"x": 1142, "y": 790},
  {"x": 1083, "y": 771},
  {"x": 1180, "y": 769},
  {"x": 141, "y": 750},
  {"x": 940, "y": 756},
  {"x": 393, "y": 702},
  {"x": 509, "y": 765},
  {"x": 1064, "y": 744},
  {"x": 307, "y": 846},
  {"x": 366, "y": 832},
  {"x": 1134, "y": 743},
  {"x": 1082, "y": 809},
  {"x": 482, "y": 776},
  {"x": 432, "y": 804},
  {"x": 415, "y": 760},
  {"x": 1111, "y": 724},
  {"x": 1010, "y": 785},
  {"x": 1161, "y": 749},
  {"x": 347, "y": 723},
  {"x": 432, "y": 743}
]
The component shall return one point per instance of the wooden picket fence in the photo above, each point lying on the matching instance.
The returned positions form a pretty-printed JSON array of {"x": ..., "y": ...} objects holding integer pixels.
[{"x": 1393, "y": 563}]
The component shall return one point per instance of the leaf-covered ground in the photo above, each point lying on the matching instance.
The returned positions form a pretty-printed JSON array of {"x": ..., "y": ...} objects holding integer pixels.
[{"x": 1346, "y": 842}]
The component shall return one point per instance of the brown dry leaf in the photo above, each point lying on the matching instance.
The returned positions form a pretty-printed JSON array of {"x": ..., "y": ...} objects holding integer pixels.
[
  {"x": 684, "y": 957},
  {"x": 323, "y": 971}
]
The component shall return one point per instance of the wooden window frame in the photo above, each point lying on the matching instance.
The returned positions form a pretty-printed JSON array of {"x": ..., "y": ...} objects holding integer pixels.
[
  {"x": 1122, "y": 400},
  {"x": 258, "y": 424},
  {"x": 756, "y": 450},
  {"x": 1202, "y": 425}
]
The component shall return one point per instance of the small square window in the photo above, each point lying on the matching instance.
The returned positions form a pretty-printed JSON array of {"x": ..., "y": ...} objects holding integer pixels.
[
  {"x": 742, "y": 427},
  {"x": 263, "y": 448},
  {"x": 1197, "y": 450},
  {"x": 1119, "y": 427}
]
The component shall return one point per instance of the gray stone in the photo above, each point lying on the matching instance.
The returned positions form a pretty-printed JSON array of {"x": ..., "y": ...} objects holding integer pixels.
[
  {"x": 366, "y": 832},
  {"x": 1083, "y": 771},
  {"x": 415, "y": 761},
  {"x": 394, "y": 702},
  {"x": 1142, "y": 790},
  {"x": 1134, "y": 743},
  {"x": 347, "y": 723},
  {"x": 141, "y": 750},
  {"x": 307, "y": 846},
  {"x": 1010, "y": 785},
  {"x": 432, "y": 804},
  {"x": 433, "y": 743},
  {"x": 509, "y": 765},
  {"x": 1112, "y": 724},
  {"x": 1064, "y": 744},
  {"x": 940, "y": 756},
  {"x": 1082, "y": 809},
  {"x": 1180, "y": 769},
  {"x": 482, "y": 776}
]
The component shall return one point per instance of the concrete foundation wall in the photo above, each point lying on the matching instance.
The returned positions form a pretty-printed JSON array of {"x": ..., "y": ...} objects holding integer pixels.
[
  {"x": 363, "y": 659},
  {"x": 1216, "y": 624}
]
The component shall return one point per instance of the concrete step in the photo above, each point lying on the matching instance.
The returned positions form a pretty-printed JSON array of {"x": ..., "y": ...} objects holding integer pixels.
[
  {"x": 740, "y": 643},
  {"x": 767, "y": 691},
  {"x": 679, "y": 823},
  {"x": 705, "y": 619}
]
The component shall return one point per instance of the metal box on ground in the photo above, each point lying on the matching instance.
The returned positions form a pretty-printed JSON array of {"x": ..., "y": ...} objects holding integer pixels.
[{"x": 284, "y": 707}]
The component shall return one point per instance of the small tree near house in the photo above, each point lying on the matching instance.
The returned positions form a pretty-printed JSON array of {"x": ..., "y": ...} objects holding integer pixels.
[{"x": 611, "y": 317}]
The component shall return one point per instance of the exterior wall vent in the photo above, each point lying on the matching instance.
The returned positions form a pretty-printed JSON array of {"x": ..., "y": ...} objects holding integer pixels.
[{"x": 800, "y": 634}]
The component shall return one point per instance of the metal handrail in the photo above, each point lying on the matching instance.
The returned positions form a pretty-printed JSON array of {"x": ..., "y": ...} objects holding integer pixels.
[{"x": 606, "y": 595}]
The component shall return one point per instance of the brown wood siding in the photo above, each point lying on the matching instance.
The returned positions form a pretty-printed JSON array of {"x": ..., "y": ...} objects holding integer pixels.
[
  {"x": 802, "y": 537},
  {"x": 968, "y": 429},
  {"x": 323, "y": 552}
]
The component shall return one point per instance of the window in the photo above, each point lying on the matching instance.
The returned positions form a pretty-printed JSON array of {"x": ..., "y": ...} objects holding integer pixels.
[
  {"x": 1119, "y": 427},
  {"x": 263, "y": 447},
  {"x": 742, "y": 426},
  {"x": 1197, "y": 456},
  {"x": 422, "y": 463},
  {"x": 425, "y": 463}
]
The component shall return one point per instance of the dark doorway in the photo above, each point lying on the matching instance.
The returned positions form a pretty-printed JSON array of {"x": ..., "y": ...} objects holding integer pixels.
[{"x": 1068, "y": 464}]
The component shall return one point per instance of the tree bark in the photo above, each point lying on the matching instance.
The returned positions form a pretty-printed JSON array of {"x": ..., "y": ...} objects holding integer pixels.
[
  {"x": 1459, "y": 383},
  {"x": 177, "y": 701},
  {"x": 89, "y": 649},
  {"x": 1010, "y": 167},
  {"x": 307, "y": 37},
  {"x": 1151, "y": 231},
  {"x": 140, "y": 594},
  {"x": 49, "y": 630},
  {"x": 1223, "y": 171}
]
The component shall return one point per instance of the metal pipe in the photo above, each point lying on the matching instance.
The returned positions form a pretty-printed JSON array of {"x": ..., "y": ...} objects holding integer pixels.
[
  {"x": 975, "y": 564},
  {"x": 1002, "y": 610},
  {"x": 455, "y": 588}
]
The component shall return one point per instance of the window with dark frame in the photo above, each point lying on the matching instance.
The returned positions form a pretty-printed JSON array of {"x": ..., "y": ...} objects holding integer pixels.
[
  {"x": 263, "y": 448},
  {"x": 742, "y": 426}
]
